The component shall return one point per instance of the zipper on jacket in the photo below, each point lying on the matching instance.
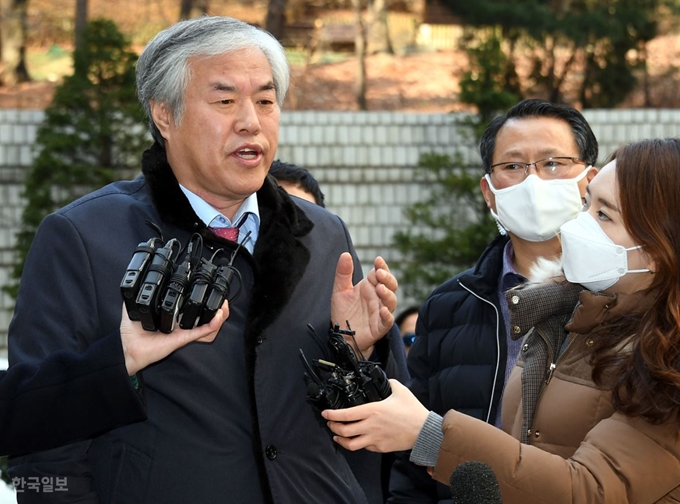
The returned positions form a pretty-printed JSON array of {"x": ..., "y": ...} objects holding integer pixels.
[
  {"x": 553, "y": 365},
  {"x": 551, "y": 370},
  {"x": 551, "y": 359},
  {"x": 548, "y": 377},
  {"x": 498, "y": 350}
]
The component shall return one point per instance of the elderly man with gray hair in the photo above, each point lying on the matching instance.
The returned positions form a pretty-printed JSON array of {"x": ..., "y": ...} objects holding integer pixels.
[{"x": 227, "y": 421}]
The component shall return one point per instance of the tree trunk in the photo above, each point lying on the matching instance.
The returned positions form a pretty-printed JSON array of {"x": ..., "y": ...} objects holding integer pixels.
[
  {"x": 187, "y": 6},
  {"x": 81, "y": 21},
  {"x": 276, "y": 18},
  {"x": 646, "y": 87},
  {"x": 13, "y": 41},
  {"x": 360, "y": 50},
  {"x": 185, "y": 9},
  {"x": 378, "y": 34}
]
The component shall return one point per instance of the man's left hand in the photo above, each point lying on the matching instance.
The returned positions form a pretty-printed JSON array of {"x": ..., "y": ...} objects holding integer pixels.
[{"x": 368, "y": 305}]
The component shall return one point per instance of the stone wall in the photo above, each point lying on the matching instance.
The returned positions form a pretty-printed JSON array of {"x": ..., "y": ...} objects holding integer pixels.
[{"x": 364, "y": 162}]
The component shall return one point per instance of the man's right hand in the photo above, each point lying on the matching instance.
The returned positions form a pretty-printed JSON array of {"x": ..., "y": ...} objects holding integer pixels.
[{"x": 142, "y": 347}]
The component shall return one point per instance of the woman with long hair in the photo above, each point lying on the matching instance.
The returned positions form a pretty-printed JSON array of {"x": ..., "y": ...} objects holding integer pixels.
[{"x": 591, "y": 412}]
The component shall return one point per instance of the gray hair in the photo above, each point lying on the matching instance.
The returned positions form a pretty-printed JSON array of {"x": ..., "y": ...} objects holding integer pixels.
[{"x": 163, "y": 68}]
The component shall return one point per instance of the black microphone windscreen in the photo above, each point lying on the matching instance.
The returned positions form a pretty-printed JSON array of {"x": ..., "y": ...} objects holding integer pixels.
[
  {"x": 221, "y": 261},
  {"x": 475, "y": 483}
]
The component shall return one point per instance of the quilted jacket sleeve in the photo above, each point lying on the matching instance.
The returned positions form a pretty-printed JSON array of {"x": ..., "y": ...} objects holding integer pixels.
[{"x": 620, "y": 460}]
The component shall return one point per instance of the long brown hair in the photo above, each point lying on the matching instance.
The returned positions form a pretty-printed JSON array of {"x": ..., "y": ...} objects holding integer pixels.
[{"x": 647, "y": 379}]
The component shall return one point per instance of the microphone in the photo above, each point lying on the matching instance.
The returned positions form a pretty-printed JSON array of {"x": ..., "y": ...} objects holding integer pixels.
[{"x": 475, "y": 483}]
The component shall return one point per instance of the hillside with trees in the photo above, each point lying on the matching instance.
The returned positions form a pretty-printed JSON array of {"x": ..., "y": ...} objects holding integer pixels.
[{"x": 588, "y": 53}]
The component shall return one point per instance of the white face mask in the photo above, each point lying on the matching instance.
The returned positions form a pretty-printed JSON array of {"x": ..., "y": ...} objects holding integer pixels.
[
  {"x": 535, "y": 209},
  {"x": 590, "y": 257}
]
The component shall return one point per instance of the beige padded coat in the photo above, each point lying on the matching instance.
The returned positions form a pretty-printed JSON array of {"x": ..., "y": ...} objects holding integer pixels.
[{"x": 561, "y": 440}]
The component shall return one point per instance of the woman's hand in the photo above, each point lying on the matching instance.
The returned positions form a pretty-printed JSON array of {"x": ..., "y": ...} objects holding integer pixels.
[{"x": 392, "y": 424}]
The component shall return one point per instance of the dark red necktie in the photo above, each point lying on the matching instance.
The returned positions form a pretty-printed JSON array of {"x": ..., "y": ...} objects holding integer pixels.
[{"x": 228, "y": 233}]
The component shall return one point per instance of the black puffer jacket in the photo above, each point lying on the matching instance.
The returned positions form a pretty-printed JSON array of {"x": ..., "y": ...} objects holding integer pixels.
[{"x": 457, "y": 361}]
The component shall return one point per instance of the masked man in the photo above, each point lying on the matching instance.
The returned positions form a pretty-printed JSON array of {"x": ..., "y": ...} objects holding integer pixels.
[{"x": 538, "y": 160}]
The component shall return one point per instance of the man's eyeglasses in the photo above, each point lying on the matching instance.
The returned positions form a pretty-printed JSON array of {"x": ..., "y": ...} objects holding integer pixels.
[
  {"x": 409, "y": 338},
  {"x": 549, "y": 168}
]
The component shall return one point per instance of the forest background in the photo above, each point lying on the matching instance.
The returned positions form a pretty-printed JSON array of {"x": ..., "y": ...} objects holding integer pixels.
[{"x": 589, "y": 53}]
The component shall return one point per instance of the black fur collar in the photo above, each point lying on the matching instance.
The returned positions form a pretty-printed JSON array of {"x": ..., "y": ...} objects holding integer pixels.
[{"x": 278, "y": 253}]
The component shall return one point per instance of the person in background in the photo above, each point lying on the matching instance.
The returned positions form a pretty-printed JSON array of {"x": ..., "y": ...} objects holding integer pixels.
[
  {"x": 297, "y": 181},
  {"x": 406, "y": 321},
  {"x": 538, "y": 159},
  {"x": 591, "y": 413},
  {"x": 72, "y": 396},
  {"x": 229, "y": 419}
]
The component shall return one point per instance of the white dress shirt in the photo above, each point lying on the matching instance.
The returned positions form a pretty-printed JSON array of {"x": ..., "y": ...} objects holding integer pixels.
[{"x": 246, "y": 218}]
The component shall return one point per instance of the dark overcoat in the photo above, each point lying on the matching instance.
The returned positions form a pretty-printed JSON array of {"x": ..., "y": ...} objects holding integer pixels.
[{"x": 228, "y": 421}]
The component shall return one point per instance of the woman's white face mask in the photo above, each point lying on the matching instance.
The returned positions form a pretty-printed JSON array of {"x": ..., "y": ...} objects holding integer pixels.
[
  {"x": 535, "y": 209},
  {"x": 590, "y": 257}
]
